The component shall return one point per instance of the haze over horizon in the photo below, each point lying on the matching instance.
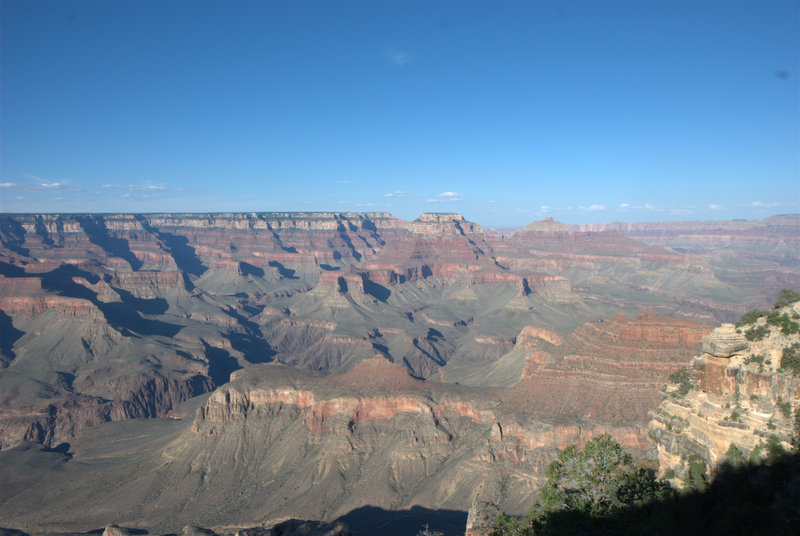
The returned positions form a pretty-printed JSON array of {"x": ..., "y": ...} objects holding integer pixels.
[{"x": 505, "y": 112}]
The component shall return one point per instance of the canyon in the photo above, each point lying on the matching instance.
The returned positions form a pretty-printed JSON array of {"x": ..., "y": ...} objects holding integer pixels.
[{"x": 266, "y": 366}]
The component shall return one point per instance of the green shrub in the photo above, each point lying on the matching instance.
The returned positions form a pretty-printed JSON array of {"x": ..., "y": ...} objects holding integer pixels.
[
  {"x": 790, "y": 360},
  {"x": 774, "y": 449},
  {"x": 755, "y": 455},
  {"x": 795, "y": 440},
  {"x": 679, "y": 376},
  {"x": 734, "y": 456},
  {"x": 750, "y": 317},
  {"x": 784, "y": 407},
  {"x": 786, "y": 297},
  {"x": 756, "y": 333},
  {"x": 682, "y": 378},
  {"x": 696, "y": 474},
  {"x": 788, "y": 327}
]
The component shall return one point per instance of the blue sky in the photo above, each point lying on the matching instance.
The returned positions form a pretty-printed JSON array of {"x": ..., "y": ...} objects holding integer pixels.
[{"x": 503, "y": 111}]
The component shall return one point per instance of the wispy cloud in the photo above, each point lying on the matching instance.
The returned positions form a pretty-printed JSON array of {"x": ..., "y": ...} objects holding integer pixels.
[
  {"x": 135, "y": 188},
  {"x": 445, "y": 197},
  {"x": 398, "y": 57},
  {"x": 40, "y": 186},
  {"x": 396, "y": 193},
  {"x": 595, "y": 207},
  {"x": 761, "y": 204},
  {"x": 714, "y": 206}
]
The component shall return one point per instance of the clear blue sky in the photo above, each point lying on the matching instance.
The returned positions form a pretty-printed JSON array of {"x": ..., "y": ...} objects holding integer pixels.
[{"x": 503, "y": 111}]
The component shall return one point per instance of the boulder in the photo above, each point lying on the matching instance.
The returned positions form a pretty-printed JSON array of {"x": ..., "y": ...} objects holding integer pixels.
[{"x": 724, "y": 341}]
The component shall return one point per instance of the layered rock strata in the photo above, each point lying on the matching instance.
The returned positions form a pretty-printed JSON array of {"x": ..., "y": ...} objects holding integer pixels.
[{"x": 740, "y": 396}]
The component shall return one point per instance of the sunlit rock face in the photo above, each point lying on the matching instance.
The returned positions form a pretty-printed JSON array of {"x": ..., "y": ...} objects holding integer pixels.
[
  {"x": 741, "y": 397},
  {"x": 724, "y": 341},
  {"x": 116, "y": 316}
]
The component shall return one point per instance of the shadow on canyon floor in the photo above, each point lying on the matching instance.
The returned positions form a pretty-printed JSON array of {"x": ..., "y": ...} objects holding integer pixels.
[{"x": 371, "y": 520}]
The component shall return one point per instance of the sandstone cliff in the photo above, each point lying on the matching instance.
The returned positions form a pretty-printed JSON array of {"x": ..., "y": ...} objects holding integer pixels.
[
  {"x": 737, "y": 394},
  {"x": 116, "y": 316},
  {"x": 278, "y": 442}
]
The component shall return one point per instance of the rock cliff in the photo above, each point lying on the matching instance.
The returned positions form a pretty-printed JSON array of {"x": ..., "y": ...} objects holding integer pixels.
[
  {"x": 278, "y": 442},
  {"x": 739, "y": 392},
  {"x": 116, "y": 316}
]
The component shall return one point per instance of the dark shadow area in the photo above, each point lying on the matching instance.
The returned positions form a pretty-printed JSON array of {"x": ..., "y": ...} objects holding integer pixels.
[
  {"x": 8, "y": 336},
  {"x": 125, "y": 319},
  {"x": 343, "y": 233},
  {"x": 152, "y": 306},
  {"x": 287, "y": 249},
  {"x": 382, "y": 348},
  {"x": 220, "y": 364},
  {"x": 12, "y": 235},
  {"x": 379, "y": 292},
  {"x": 342, "y": 282},
  {"x": 254, "y": 348},
  {"x": 9, "y": 270},
  {"x": 248, "y": 269},
  {"x": 288, "y": 273},
  {"x": 744, "y": 500},
  {"x": 120, "y": 315},
  {"x": 434, "y": 334},
  {"x": 96, "y": 230},
  {"x": 182, "y": 253},
  {"x": 16, "y": 248},
  {"x": 62, "y": 448},
  {"x": 328, "y": 267},
  {"x": 251, "y": 343},
  {"x": 426, "y": 271},
  {"x": 41, "y": 231},
  {"x": 371, "y": 520},
  {"x": 61, "y": 280}
]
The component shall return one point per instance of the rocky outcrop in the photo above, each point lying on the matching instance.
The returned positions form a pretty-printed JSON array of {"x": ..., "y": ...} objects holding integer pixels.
[
  {"x": 612, "y": 370},
  {"x": 738, "y": 395},
  {"x": 724, "y": 341}
]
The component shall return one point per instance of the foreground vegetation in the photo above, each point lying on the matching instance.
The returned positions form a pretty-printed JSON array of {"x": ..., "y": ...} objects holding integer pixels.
[{"x": 600, "y": 490}]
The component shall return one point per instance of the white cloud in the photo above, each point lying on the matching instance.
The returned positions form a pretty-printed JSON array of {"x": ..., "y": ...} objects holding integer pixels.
[
  {"x": 714, "y": 206},
  {"x": 396, "y": 193},
  {"x": 624, "y": 205},
  {"x": 9, "y": 185},
  {"x": 136, "y": 188},
  {"x": 761, "y": 204},
  {"x": 398, "y": 57},
  {"x": 445, "y": 197}
]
